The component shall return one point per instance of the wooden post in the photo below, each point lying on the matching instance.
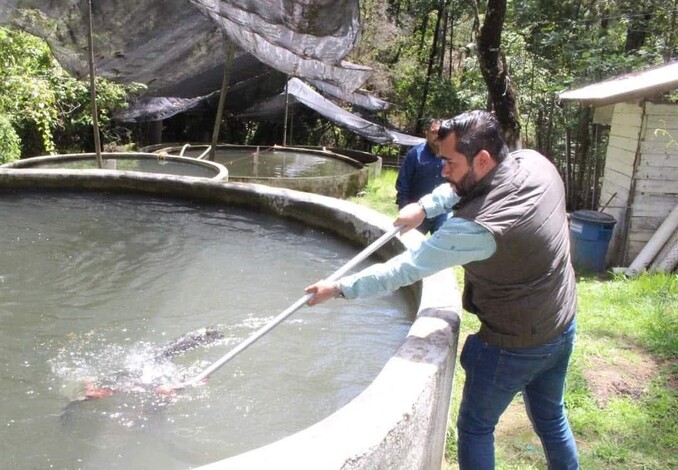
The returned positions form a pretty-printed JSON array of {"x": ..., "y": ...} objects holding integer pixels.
[
  {"x": 92, "y": 86},
  {"x": 287, "y": 104},
  {"x": 230, "y": 51}
]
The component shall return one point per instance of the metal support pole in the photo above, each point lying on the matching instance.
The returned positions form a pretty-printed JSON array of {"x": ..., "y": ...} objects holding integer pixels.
[
  {"x": 230, "y": 52},
  {"x": 287, "y": 105},
  {"x": 92, "y": 86}
]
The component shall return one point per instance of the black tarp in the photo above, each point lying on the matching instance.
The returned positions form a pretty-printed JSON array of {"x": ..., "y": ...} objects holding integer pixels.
[
  {"x": 300, "y": 92},
  {"x": 177, "y": 49}
]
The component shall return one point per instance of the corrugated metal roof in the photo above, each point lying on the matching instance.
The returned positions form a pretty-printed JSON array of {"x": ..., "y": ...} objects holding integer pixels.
[{"x": 627, "y": 87}]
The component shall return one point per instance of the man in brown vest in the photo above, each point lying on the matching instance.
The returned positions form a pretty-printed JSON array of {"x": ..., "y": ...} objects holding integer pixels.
[{"x": 508, "y": 229}]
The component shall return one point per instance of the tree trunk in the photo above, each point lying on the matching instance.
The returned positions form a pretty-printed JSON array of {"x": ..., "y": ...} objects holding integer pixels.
[
  {"x": 493, "y": 67},
  {"x": 423, "y": 28},
  {"x": 395, "y": 9},
  {"x": 444, "y": 13},
  {"x": 450, "y": 67},
  {"x": 670, "y": 36},
  {"x": 429, "y": 73},
  {"x": 639, "y": 24}
]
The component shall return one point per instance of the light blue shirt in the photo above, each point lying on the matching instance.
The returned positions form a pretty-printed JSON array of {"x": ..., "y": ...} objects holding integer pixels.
[{"x": 457, "y": 242}]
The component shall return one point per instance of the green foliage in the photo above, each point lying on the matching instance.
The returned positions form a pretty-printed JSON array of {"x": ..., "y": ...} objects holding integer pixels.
[
  {"x": 25, "y": 91},
  {"x": 387, "y": 151},
  {"x": 39, "y": 99},
  {"x": 75, "y": 114},
  {"x": 10, "y": 144}
]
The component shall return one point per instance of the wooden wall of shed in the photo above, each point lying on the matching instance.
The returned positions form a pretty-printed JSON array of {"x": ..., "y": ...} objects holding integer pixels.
[
  {"x": 656, "y": 176},
  {"x": 642, "y": 169},
  {"x": 618, "y": 174}
]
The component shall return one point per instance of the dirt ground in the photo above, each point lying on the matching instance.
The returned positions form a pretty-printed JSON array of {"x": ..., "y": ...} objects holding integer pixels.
[
  {"x": 607, "y": 378},
  {"x": 620, "y": 376}
]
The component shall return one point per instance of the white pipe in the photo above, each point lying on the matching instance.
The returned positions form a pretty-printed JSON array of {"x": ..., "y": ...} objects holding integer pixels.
[
  {"x": 661, "y": 258},
  {"x": 204, "y": 154},
  {"x": 669, "y": 262},
  {"x": 656, "y": 242},
  {"x": 183, "y": 149}
]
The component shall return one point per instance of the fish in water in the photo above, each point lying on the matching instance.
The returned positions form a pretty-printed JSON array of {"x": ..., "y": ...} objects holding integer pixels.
[
  {"x": 192, "y": 340},
  {"x": 129, "y": 382}
]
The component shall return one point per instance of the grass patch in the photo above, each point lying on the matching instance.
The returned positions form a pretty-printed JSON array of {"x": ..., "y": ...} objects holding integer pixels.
[
  {"x": 624, "y": 363},
  {"x": 642, "y": 310},
  {"x": 380, "y": 193},
  {"x": 621, "y": 387}
]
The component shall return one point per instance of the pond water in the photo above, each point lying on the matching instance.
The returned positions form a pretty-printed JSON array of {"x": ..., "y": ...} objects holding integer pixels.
[
  {"x": 92, "y": 285},
  {"x": 270, "y": 163}
]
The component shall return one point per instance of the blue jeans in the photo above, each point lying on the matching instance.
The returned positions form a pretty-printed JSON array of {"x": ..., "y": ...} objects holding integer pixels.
[{"x": 493, "y": 377}]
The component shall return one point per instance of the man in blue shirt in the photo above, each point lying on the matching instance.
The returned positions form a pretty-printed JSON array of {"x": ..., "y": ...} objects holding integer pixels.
[
  {"x": 421, "y": 173},
  {"x": 508, "y": 229}
]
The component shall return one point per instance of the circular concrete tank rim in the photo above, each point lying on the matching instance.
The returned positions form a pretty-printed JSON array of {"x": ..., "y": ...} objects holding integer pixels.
[
  {"x": 370, "y": 160},
  {"x": 219, "y": 171},
  {"x": 171, "y": 148},
  {"x": 341, "y": 185},
  {"x": 400, "y": 420}
]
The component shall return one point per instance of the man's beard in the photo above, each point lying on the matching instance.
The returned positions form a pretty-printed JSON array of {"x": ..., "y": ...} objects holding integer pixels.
[{"x": 467, "y": 183}]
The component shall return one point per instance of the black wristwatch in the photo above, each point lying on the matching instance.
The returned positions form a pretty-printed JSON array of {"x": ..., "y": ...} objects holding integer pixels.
[{"x": 338, "y": 293}]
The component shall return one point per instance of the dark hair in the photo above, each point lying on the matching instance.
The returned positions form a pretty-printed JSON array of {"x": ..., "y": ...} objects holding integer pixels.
[
  {"x": 475, "y": 131},
  {"x": 430, "y": 122}
]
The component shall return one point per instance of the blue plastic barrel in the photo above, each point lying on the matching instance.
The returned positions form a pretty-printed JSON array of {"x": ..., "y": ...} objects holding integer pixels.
[{"x": 590, "y": 234}]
